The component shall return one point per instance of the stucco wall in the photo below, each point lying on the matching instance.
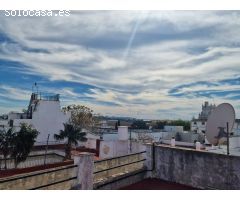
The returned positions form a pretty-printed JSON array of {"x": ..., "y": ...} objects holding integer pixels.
[
  {"x": 114, "y": 162},
  {"x": 115, "y": 148},
  {"x": 91, "y": 143},
  {"x": 196, "y": 168},
  {"x": 48, "y": 119},
  {"x": 234, "y": 141}
]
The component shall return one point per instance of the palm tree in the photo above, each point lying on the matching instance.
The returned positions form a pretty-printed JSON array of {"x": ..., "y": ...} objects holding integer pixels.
[
  {"x": 73, "y": 135},
  {"x": 6, "y": 138}
]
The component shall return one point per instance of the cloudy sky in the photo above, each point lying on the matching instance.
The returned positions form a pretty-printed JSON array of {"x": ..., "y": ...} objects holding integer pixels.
[{"x": 145, "y": 64}]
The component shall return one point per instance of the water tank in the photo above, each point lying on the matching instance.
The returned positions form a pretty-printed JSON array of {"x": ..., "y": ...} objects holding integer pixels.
[{"x": 122, "y": 132}]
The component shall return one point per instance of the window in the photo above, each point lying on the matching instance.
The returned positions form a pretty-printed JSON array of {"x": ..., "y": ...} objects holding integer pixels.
[{"x": 11, "y": 123}]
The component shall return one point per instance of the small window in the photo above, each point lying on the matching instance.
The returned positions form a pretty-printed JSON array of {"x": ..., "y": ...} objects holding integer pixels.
[
  {"x": 203, "y": 123},
  {"x": 195, "y": 123}
]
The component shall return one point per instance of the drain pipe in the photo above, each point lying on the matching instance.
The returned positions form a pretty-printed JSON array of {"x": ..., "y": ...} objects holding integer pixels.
[{"x": 153, "y": 157}]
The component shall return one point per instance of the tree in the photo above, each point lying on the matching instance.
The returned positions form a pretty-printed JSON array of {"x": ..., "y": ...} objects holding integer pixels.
[
  {"x": 117, "y": 124},
  {"x": 139, "y": 124},
  {"x": 160, "y": 124},
  {"x": 73, "y": 135},
  {"x": 81, "y": 116},
  {"x": 22, "y": 143},
  {"x": 6, "y": 138},
  {"x": 179, "y": 122}
]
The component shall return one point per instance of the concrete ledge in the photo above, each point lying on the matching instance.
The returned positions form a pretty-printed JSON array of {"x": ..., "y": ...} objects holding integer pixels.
[{"x": 121, "y": 180}]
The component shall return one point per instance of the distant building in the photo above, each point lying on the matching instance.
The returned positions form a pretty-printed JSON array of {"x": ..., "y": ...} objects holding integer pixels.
[
  {"x": 112, "y": 124},
  {"x": 199, "y": 125},
  {"x": 206, "y": 111},
  {"x": 175, "y": 129},
  {"x": 236, "y": 127}
]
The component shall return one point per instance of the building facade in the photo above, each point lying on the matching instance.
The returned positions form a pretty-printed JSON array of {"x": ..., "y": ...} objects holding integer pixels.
[
  {"x": 44, "y": 114},
  {"x": 199, "y": 125}
]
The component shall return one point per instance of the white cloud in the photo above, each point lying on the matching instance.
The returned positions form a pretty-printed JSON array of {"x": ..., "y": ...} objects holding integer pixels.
[{"x": 169, "y": 49}]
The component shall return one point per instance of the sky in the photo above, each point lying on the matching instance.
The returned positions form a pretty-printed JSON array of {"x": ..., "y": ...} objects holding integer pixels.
[{"x": 143, "y": 64}]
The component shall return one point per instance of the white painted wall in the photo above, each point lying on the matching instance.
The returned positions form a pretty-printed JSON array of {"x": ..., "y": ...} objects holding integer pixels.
[
  {"x": 91, "y": 141},
  {"x": 48, "y": 119},
  {"x": 113, "y": 148},
  {"x": 123, "y": 133},
  {"x": 110, "y": 149},
  {"x": 173, "y": 128},
  {"x": 236, "y": 128},
  {"x": 137, "y": 147},
  {"x": 18, "y": 122},
  {"x": 3, "y": 123},
  {"x": 198, "y": 126},
  {"x": 234, "y": 142}
]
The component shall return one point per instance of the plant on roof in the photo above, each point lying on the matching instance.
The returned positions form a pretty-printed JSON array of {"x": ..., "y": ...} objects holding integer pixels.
[
  {"x": 6, "y": 138},
  {"x": 73, "y": 135}
]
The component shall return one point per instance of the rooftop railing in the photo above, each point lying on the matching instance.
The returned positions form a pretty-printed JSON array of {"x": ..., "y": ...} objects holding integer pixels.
[{"x": 45, "y": 96}]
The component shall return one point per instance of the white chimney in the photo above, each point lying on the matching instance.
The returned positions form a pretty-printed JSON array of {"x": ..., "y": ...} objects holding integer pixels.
[
  {"x": 198, "y": 146},
  {"x": 122, "y": 132},
  {"x": 172, "y": 142}
]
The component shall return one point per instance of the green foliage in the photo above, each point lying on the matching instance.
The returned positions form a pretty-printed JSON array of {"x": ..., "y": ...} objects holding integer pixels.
[
  {"x": 81, "y": 116},
  {"x": 179, "y": 122},
  {"x": 139, "y": 124},
  {"x": 160, "y": 124},
  {"x": 6, "y": 138},
  {"x": 73, "y": 135},
  {"x": 22, "y": 143}
]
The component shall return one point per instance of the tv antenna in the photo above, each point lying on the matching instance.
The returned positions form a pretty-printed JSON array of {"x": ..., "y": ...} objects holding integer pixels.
[{"x": 35, "y": 88}]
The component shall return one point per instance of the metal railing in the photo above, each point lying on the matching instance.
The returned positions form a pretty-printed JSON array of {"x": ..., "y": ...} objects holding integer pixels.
[{"x": 46, "y": 96}]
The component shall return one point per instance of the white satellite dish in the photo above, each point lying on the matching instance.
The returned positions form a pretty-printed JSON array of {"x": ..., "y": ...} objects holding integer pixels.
[{"x": 216, "y": 128}]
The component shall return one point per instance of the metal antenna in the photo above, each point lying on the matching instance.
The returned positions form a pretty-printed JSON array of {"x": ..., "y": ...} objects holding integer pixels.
[
  {"x": 227, "y": 139},
  {"x": 130, "y": 140}
]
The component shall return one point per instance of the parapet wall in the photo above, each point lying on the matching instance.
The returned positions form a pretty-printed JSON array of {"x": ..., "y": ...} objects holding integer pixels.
[
  {"x": 117, "y": 165},
  {"x": 59, "y": 178},
  {"x": 198, "y": 169}
]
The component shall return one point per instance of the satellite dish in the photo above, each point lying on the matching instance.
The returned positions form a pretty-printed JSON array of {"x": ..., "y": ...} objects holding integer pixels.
[{"x": 216, "y": 128}]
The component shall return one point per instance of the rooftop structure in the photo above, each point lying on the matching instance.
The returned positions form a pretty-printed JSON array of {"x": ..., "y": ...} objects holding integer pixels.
[
  {"x": 43, "y": 113},
  {"x": 199, "y": 125},
  {"x": 206, "y": 110}
]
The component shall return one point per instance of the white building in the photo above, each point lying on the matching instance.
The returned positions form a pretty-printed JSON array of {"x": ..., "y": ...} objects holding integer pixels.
[
  {"x": 44, "y": 114},
  {"x": 236, "y": 127},
  {"x": 199, "y": 125},
  {"x": 174, "y": 129}
]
